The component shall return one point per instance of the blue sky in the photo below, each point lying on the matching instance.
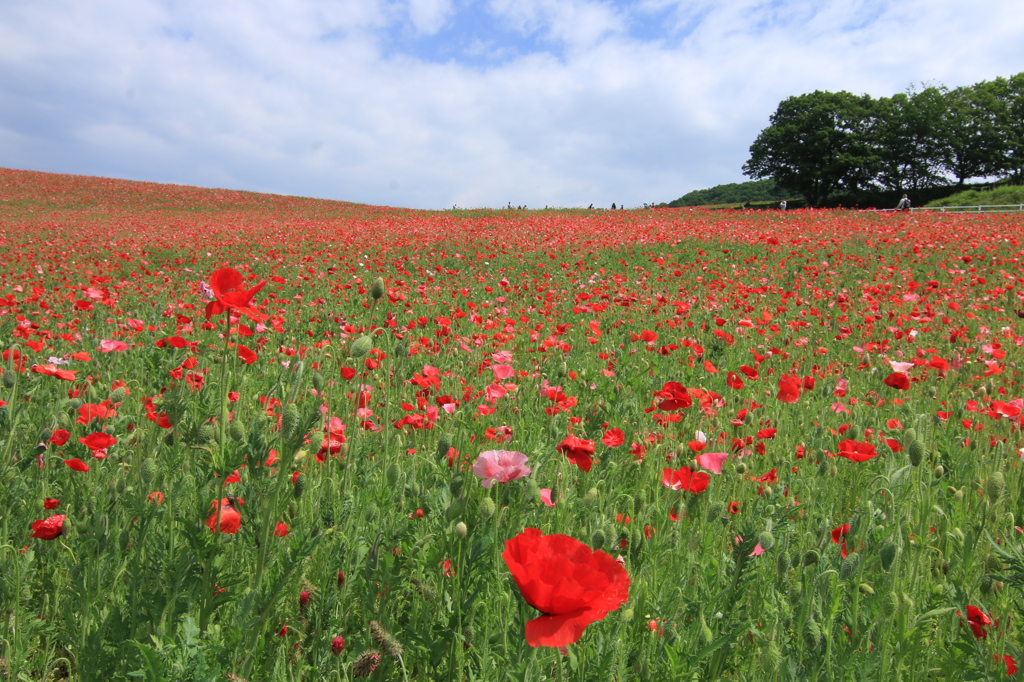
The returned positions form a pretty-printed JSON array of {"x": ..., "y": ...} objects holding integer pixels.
[{"x": 435, "y": 103}]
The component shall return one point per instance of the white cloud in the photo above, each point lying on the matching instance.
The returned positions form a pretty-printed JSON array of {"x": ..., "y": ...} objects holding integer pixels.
[{"x": 322, "y": 98}]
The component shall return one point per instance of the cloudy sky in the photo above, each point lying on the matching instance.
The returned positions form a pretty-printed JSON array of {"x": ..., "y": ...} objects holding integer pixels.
[{"x": 435, "y": 103}]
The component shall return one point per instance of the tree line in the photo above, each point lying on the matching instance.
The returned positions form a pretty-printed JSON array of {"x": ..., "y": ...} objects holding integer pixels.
[{"x": 824, "y": 144}]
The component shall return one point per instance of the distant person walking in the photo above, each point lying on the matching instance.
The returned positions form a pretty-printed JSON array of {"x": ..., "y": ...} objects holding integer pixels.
[
  {"x": 782, "y": 205},
  {"x": 904, "y": 204}
]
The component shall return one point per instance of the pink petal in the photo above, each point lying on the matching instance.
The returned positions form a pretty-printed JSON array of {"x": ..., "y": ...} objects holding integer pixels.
[{"x": 545, "y": 497}]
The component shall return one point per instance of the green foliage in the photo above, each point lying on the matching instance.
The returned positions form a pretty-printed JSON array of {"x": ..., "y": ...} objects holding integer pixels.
[
  {"x": 1006, "y": 194},
  {"x": 732, "y": 193}
]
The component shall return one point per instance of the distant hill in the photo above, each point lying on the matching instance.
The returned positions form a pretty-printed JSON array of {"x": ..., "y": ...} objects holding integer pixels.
[{"x": 733, "y": 193}]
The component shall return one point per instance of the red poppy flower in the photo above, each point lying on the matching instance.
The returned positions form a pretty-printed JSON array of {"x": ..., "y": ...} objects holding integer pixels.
[
  {"x": 90, "y": 411},
  {"x": 1011, "y": 665},
  {"x": 839, "y": 536},
  {"x": 898, "y": 380},
  {"x": 856, "y": 451},
  {"x": 570, "y": 584},
  {"x": 77, "y": 464},
  {"x": 281, "y": 530},
  {"x": 60, "y": 436},
  {"x": 733, "y": 380},
  {"x": 613, "y": 438},
  {"x": 246, "y": 355},
  {"x": 51, "y": 370},
  {"x": 675, "y": 396},
  {"x": 98, "y": 441},
  {"x": 48, "y": 529},
  {"x": 767, "y": 433},
  {"x": 578, "y": 451},
  {"x": 230, "y": 518},
  {"x": 684, "y": 479},
  {"x": 977, "y": 619},
  {"x": 50, "y": 503},
  {"x": 230, "y": 294}
]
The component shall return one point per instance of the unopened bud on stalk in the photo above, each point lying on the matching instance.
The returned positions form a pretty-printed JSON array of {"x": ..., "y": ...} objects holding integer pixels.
[
  {"x": 299, "y": 486},
  {"x": 890, "y": 604},
  {"x": 487, "y": 508},
  {"x": 290, "y": 420},
  {"x": 361, "y": 346},
  {"x": 811, "y": 557},
  {"x": 715, "y": 511},
  {"x": 318, "y": 381},
  {"x": 909, "y": 436},
  {"x": 853, "y": 433},
  {"x": 916, "y": 452},
  {"x": 444, "y": 444},
  {"x": 597, "y": 539},
  {"x": 461, "y": 530},
  {"x": 391, "y": 475},
  {"x": 236, "y": 430},
  {"x": 995, "y": 486},
  {"x": 866, "y": 589},
  {"x": 766, "y": 540},
  {"x": 591, "y": 497},
  {"x": 45, "y": 435},
  {"x": 849, "y": 567},
  {"x": 148, "y": 470},
  {"x": 377, "y": 290},
  {"x": 939, "y": 471},
  {"x": 9, "y": 379},
  {"x": 887, "y": 555}
]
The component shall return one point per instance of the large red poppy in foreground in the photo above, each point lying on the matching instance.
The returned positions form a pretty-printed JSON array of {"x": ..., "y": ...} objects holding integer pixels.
[{"x": 571, "y": 584}]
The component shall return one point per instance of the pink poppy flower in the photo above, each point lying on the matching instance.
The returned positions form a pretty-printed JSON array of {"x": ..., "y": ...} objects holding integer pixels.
[
  {"x": 501, "y": 466},
  {"x": 545, "y": 497},
  {"x": 712, "y": 461}
]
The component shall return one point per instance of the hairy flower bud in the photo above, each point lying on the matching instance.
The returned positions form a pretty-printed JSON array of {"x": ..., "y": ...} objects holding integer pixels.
[
  {"x": 486, "y": 508},
  {"x": 377, "y": 289},
  {"x": 361, "y": 346},
  {"x": 916, "y": 452}
]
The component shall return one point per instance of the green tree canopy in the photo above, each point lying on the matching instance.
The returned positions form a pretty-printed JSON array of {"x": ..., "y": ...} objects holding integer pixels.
[{"x": 816, "y": 145}]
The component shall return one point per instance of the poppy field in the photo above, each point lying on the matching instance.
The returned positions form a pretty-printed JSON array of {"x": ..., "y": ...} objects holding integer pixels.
[{"x": 255, "y": 437}]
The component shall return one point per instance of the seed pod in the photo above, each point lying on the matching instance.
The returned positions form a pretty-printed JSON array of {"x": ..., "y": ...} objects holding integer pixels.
[
  {"x": 916, "y": 452},
  {"x": 766, "y": 540},
  {"x": 148, "y": 470},
  {"x": 811, "y": 557},
  {"x": 290, "y": 420},
  {"x": 461, "y": 530},
  {"x": 236, "y": 430},
  {"x": 887, "y": 555},
  {"x": 995, "y": 487},
  {"x": 299, "y": 486},
  {"x": 377, "y": 289},
  {"x": 597, "y": 539},
  {"x": 361, "y": 346},
  {"x": 487, "y": 508}
]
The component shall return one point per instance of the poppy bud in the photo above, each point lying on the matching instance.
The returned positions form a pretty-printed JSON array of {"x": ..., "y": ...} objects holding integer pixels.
[
  {"x": 714, "y": 512},
  {"x": 849, "y": 567},
  {"x": 866, "y": 589},
  {"x": 455, "y": 509},
  {"x": 741, "y": 468},
  {"x": 486, "y": 508},
  {"x": 853, "y": 433},
  {"x": 370, "y": 513},
  {"x": 337, "y": 645},
  {"x": 890, "y": 604},
  {"x": 290, "y": 420},
  {"x": 206, "y": 434},
  {"x": 811, "y": 557},
  {"x": 391, "y": 475},
  {"x": 318, "y": 381},
  {"x": 781, "y": 565},
  {"x": 597, "y": 539},
  {"x": 887, "y": 555},
  {"x": 909, "y": 436},
  {"x": 906, "y": 603},
  {"x": 236, "y": 431},
  {"x": 833, "y": 470},
  {"x": 366, "y": 663},
  {"x": 939, "y": 471},
  {"x": 461, "y": 530},
  {"x": 45, "y": 435},
  {"x": 444, "y": 444},
  {"x": 986, "y": 584},
  {"x": 377, "y": 290},
  {"x": 766, "y": 539},
  {"x": 341, "y": 578},
  {"x": 796, "y": 594},
  {"x": 916, "y": 452},
  {"x": 995, "y": 486},
  {"x": 303, "y": 599},
  {"x": 455, "y": 486},
  {"x": 148, "y": 470},
  {"x": 361, "y": 346},
  {"x": 591, "y": 497},
  {"x": 299, "y": 486},
  {"x": 9, "y": 379}
]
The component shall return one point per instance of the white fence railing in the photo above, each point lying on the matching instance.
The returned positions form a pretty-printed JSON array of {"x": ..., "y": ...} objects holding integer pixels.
[{"x": 972, "y": 209}]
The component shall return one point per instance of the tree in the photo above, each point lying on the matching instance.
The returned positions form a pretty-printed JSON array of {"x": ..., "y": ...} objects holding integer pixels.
[
  {"x": 816, "y": 145},
  {"x": 972, "y": 147},
  {"x": 906, "y": 135},
  {"x": 1008, "y": 94}
]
